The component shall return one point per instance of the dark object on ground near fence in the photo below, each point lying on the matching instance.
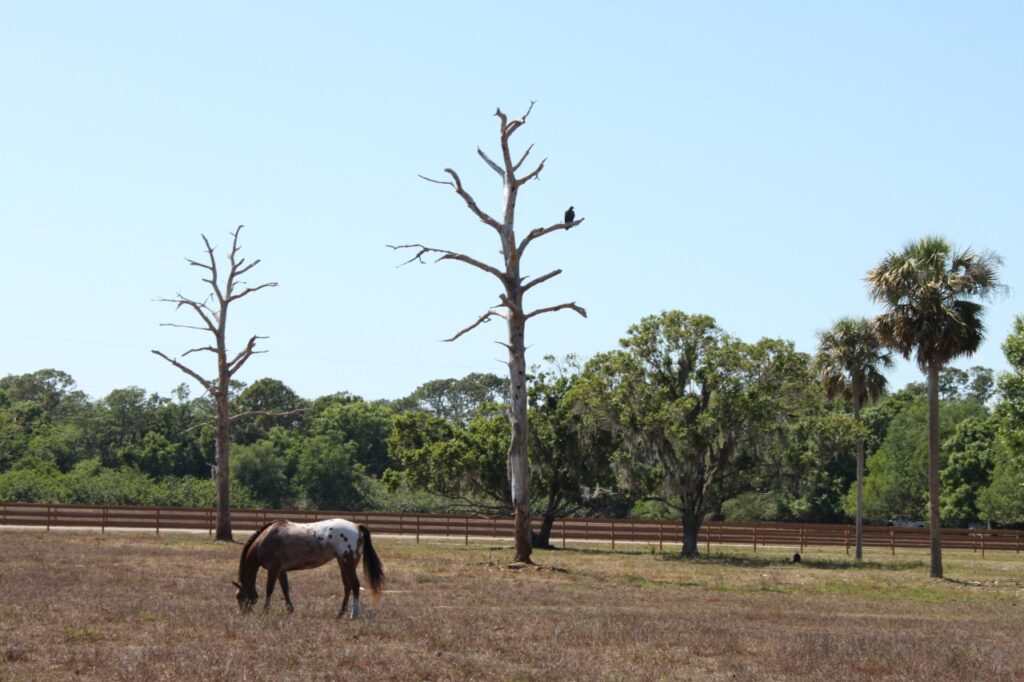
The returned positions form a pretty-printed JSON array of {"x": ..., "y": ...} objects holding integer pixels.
[{"x": 796, "y": 558}]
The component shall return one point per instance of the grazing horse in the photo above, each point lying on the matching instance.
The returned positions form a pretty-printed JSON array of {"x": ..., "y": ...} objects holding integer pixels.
[{"x": 282, "y": 546}]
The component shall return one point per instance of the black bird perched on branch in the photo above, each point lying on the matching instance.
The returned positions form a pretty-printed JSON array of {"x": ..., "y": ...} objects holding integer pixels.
[{"x": 570, "y": 216}]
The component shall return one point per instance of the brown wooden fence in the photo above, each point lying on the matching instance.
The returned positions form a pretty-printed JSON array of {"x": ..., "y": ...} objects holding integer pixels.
[{"x": 651, "y": 532}]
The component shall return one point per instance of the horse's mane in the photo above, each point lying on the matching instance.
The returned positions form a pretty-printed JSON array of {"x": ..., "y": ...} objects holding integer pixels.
[{"x": 248, "y": 544}]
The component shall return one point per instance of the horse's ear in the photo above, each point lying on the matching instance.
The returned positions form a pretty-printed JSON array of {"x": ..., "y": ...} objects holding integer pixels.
[{"x": 236, "y": 584}]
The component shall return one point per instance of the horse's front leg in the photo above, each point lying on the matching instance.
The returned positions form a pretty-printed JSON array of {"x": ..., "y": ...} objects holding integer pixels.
[
  {"x": 348, "y": 588},
  {"x": 284, "y": 588},
  {"x": 271, "y": 581}
]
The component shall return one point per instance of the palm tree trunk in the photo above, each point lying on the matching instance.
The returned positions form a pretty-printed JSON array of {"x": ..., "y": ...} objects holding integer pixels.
[
  {"x": 859, "y": 533},
  {"x": 935, "y": 522}
]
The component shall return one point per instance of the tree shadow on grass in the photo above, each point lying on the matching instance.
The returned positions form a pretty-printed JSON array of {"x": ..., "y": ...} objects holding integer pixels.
[
  {"x": 828, "y": 564},
  {"x": 599, "y": 550},
  {"x": 739, "y": 559},
  {"x": 1002, "y": 582}
]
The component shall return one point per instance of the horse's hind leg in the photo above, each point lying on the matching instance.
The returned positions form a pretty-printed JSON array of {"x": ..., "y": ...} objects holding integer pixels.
[
  {"x": 348, "y": 588},
  {"x": 283, "y": 578},
  {"x": 271, "y": 581},
  {"x": 352, "y": 580}
]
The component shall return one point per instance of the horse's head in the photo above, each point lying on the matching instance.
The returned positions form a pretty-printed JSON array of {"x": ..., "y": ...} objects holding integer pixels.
[{"x": 246, "y": 598}]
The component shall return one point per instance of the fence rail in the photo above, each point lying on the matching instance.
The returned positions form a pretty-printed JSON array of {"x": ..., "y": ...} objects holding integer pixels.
[{"x": 795, "y": 535}]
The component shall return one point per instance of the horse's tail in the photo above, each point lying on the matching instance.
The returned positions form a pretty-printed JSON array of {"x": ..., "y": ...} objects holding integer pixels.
[
  {"x": 373, "y": 570},
  {"x": 245, "y": 549}
]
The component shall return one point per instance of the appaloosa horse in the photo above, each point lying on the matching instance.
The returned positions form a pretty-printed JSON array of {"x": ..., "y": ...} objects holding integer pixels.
[{"x": 282, "y": 546}]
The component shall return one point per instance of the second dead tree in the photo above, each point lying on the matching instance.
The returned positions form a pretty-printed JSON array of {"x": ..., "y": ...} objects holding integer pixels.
[{"x": 510, "y": 306}]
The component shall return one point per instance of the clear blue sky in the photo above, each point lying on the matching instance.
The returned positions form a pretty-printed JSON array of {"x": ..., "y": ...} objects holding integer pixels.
[{"x": 748, "y": 160}]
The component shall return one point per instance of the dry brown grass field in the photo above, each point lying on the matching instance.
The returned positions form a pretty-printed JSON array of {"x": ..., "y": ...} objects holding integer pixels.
[{"x": 134, "y": 606}]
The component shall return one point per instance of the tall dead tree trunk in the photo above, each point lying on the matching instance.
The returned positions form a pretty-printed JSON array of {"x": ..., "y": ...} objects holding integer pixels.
[
  {"x": 213, "y": 313},
  {"x": 510, "y": 306}
]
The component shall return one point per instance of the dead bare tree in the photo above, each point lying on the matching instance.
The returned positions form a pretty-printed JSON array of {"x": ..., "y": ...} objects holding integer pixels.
[
  {"x": 213, "y": 313},
  {"x": 510, "y": 306}
]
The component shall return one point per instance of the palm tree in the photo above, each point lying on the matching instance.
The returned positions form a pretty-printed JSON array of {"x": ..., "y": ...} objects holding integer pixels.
[
  {"x": 849, "y": 364},
  {"x": 930, "y": 292}
]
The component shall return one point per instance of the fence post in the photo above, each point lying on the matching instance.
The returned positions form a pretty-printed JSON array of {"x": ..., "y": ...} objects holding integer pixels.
[
  {"x": 158, "y": 520},
  {"x": 103, "y": 521},
  {"x": 613, "y": 535},
  {"x": 755, "y": 537},
  {"x": 417, "y": 529},
  {"x": 47, "y": 517},
  {"x": 803, "y": 537},
  {"x": 892, "y": 539},
  {"x": 707, "y": 536},
  {"x": 982, "y": 545},
  {"x": 466, "y": 519},
  {"x": 562, "y": 522},
  {"x": 846, "y": 538}
]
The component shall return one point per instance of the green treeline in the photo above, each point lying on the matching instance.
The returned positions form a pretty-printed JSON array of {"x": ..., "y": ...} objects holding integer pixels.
[{"x": 681, "y": 416}]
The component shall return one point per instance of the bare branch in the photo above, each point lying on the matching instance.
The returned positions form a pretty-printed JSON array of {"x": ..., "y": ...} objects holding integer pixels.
[
  {"x": 541, "y": 279},
  {"x": 525, "y": 154},
  {"x": 536, "y": 173},
  {"x": 203, "y": 310},
  {"x": 269, "y": 413},
  {"x": 183, "y": 326},
  {"x": 200, "y": 349},
  {"x": 244, "y": 354},
  {"x": 560, "y": 306},
  {"x": 448, "y": 255},
  {"x": 208, "y": 385},
  {"x": 470, "y": 201},
  {"x": 213, "y": 271},
  {"x": 514, "y": 125},
  {"x": 439, "y": 182},
  {"x": 495, "y": 167},
  {"x": 503, "y": 118},
  {"x": 207, "y": 424},
  {"x": 505, "y": 302},
  {"x": 246, "y": 292},
  {"x": 239, "y": 270},
  {"x": 234, "y": 245},
  {"x": 541, "y": 231},
  {"x": 486, "y": 317}
]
